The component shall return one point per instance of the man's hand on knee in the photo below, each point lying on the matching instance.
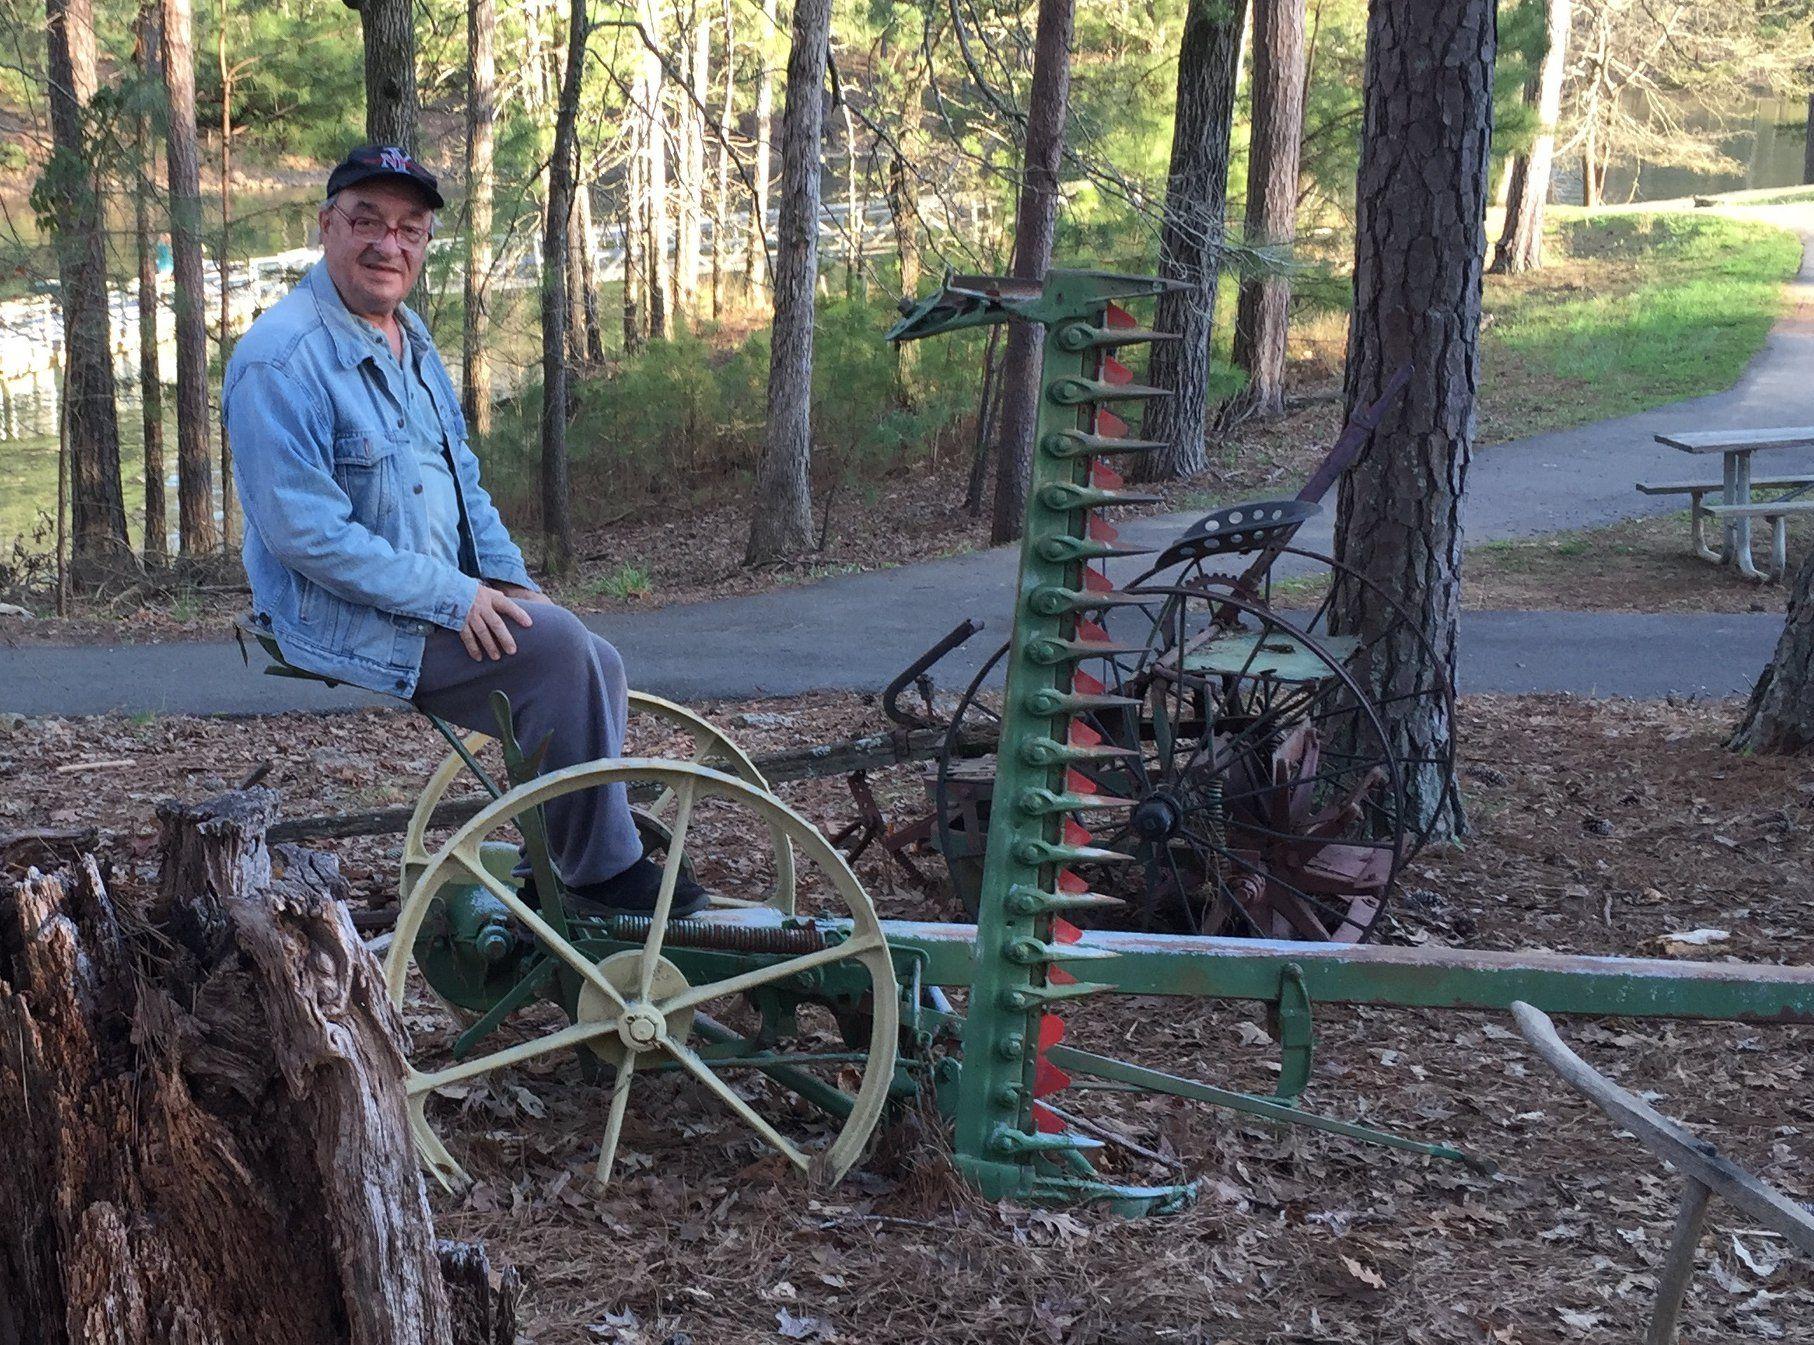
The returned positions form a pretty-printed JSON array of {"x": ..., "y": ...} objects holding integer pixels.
[
  {"x": 487, "y": 629},
  {"x": 518, "y": 592}
]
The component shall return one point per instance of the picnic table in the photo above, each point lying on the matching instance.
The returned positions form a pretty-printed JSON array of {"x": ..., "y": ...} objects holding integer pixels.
[{"x": 1737, "y": 508}]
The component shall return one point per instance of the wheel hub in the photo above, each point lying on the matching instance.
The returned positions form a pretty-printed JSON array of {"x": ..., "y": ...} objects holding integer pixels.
[
  {"x": 641, "y": 1025},
  {"x": 1156, "y": 817}
]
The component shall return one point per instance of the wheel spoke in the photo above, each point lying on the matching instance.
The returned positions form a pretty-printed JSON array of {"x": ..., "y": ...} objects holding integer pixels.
[
  {"x": 730, "y": 1097},
  {"x": 572, "y": 1035},
  {"x": 614, "y": 1123},
  {"x": 775, "y": 971},
  {"x": 551, "y": 940},
  {"x": 664, "y": 898}
]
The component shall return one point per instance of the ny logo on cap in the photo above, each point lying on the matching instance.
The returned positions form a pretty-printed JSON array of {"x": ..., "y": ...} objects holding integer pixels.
[{"x": 396, "y": 160}]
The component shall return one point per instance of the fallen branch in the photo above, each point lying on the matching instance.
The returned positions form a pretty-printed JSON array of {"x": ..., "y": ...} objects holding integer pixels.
[{"x": 805, "y": 763}]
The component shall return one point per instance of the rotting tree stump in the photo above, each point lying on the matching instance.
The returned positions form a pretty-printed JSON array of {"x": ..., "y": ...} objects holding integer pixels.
[{"x": 202, "y": 1098}]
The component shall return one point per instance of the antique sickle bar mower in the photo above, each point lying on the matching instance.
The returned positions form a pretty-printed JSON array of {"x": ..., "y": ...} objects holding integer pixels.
[{"x": 804, "y": 1013}]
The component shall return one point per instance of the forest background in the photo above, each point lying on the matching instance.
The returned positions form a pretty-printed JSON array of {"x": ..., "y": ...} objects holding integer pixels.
[{"x": 674, "y": 184}]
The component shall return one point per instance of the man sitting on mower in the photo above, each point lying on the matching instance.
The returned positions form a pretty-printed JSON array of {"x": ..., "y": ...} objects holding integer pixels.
[{"x": 374, "y": 554}]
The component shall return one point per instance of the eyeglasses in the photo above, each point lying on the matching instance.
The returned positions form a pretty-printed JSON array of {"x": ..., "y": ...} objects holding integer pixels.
[{"x": 371, "y": 229}]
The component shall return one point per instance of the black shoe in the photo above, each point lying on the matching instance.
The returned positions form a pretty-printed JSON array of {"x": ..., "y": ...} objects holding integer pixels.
[{"x": 631, "y": 892}]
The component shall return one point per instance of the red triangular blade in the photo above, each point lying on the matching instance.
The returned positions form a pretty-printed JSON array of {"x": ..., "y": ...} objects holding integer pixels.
[
  {"x": 1051, "y": 1031},
  {"x": 1095, "y": 581},
  {"x": 1059, "y": 976},
  {"x": 1063, "y": 931},
  {"x": 1048, "y": 1078},
  {"x": 1117, "y": 316},
  {"x": 1110, "y": 426},
  {"x": 1074, "y": 834},
  {"x": 1115, "y": 372},
  {"x": 1082, "y": 735},
  {"x": 1091, "y": 633},
  {"x": 1071, "y": 882},
  {"x": 1105, "y": 478},
  {"x": 1076, "y": 782},
  {"x": 1101, "y": 530},
  {"x": 1046, "y": 1121},
  {"x": 1085, "y": 685}
]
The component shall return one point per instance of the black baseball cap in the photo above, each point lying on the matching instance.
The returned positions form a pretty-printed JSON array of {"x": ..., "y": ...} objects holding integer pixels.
[{"x": 372, "y": 161}]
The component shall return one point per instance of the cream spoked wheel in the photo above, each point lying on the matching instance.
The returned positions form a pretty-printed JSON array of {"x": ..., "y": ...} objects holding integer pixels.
[
  {"x": 727, "y": 993},
  {"x": 657, "y": 728}
]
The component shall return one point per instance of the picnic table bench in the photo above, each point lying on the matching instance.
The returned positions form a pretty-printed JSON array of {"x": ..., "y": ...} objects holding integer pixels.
[{"x": 1737, "y": 508}]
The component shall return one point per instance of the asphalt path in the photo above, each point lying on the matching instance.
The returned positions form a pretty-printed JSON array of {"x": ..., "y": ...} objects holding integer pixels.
[{"x": 855, "y": 632}]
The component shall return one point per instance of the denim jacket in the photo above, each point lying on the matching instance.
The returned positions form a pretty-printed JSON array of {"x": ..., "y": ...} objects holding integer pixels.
[{"x": 332, "y": 493}]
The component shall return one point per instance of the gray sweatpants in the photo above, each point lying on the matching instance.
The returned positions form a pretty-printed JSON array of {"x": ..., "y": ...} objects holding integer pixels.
[{"x": 562, "y": 681}]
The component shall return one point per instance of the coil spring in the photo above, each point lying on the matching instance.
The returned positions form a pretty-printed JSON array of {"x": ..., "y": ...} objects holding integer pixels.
[{"x": 722, "y": 937}]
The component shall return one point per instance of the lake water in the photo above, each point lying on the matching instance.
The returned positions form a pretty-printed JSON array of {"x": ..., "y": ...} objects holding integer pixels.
[{"x": 1763, "y": 141}]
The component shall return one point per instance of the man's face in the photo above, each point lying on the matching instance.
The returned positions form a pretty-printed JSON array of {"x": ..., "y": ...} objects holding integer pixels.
[{"x": 373, "y": 276}]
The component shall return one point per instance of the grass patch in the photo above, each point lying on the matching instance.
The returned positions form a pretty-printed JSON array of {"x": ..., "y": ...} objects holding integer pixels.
[
  {"x": 626, "y": 583},
  {"x": 1629, "y": 311}
]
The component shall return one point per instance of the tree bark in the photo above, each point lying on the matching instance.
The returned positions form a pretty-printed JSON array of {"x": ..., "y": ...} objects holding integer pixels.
[
  {"x": 1035, "y": 219},
  {"x": 151, "y": 383},
  {"x": 99, "y": 544},
  {"x": 1426, "y": 152},
  {"x": 392, "y": 108},
  {"x": 1521, "y": 237},
  {"x": 223, "y": 265},
  {"x": 481, "y": 140},
  {"x": 194, "y": 472},
  {"x": 557, "y": 504},
  {"x": 204, "y": 1106},
  {"x": 690, "y": 184},
  {"x": 1807, "y": 153},
  {"x": 756, "y": 256},
  {"x": 648, "y": 98},
  {"x": 586, "y": 272},
  {"x": 782, "y": 520},
  {"x": 721, "y": 188},
  {"x": 904, "y": 216},
  {"x": 1192, "y": 237},
  {"x": 854, "y": 281},
  {"x": 1263, "y": 312},
  {"x": 1780, "y": 716}
]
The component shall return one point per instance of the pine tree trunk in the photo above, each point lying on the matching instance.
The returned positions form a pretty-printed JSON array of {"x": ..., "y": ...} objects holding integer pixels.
[
  {"x": 1035, "y": 218},
  {"x": 392, "y": 109},
  {"x": 98, "y": 505},
  {"x": 782, "y": 519},
  {"x": 194, "y": 471},
  {"x": 481, "y": 139},
  {"x": 586, "y": 276},
  {"x": 655, "y": 178},
  {"x": 151, "y": 384},
  {"x": 223, "y": 265},
  {"x": 756, "y": 257},
  {"x": 1191, "y": 239},
  {"x": 901, "y": 191},
  {"x": 1807, "y": 153},
  {"x": 1521, "y": 238},
  {"x": 557, "y": 503},
  {"x": 636, "y": 313},
  {"x": 1590, "y": 171},
  {"x": 721, "y": 190},
  {"x": 854, "y": 283},
  {"x": 1264, "y": 310},
  {"x": 202, "y": 1093},
  {"x": 690, "y": 190},
  {"x": 1780, "y": 717},
  {"x": 1420, "y": 241}
]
